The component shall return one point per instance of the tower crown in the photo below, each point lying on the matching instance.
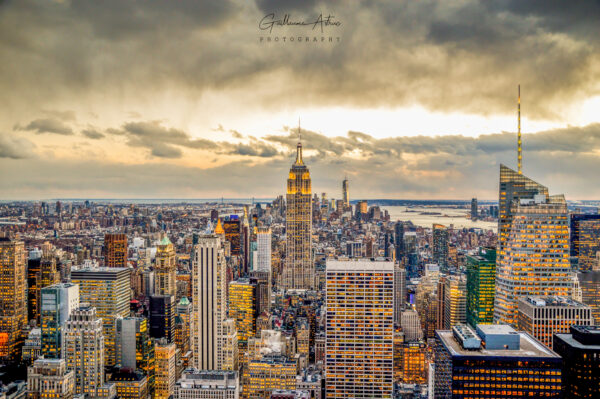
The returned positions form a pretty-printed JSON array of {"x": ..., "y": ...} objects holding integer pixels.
[{"x": 299, "y": 160}]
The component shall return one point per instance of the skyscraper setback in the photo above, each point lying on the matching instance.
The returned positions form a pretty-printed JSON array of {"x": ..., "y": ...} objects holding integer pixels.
[{"x": 299, "y": 271}]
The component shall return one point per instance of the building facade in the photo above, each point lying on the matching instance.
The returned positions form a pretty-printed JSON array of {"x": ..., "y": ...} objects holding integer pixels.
[{"x": 481, "y": 286}]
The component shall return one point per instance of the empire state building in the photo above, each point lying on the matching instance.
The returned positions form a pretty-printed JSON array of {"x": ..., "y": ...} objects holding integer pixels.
[{"x": 299, "y": 270}]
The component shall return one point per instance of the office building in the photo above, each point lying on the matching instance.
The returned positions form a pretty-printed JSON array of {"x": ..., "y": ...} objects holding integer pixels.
[
  {"x": 165, "y": 269},
  {"x": 589, "y": 283},
  {"x": 414, "y": 365},
  {"x": 115, "y": 250},
  {"x": 474, "y": 210},
  {"x": 269, "y": 373},
  {"x": 580, "y": 351},
  {"x": 243, "y": 307},
  {"x": 455, "y": 301},
  {"x": 162, "y": 317},
  {"x": 58, "y": 301},
  {"x": 399, "y": 291},
  {"x": 544, "y": 316},
  {"x": 32, "y": 349},
  {"x": 49, "y": 378},
  {"x": 493, "y": 362},
  {"x": 232, "y": 229},
  {"x": 108, "y": 290},
  {"x": 481, "y": 286},
  {"x": 212, "y": 384},
  {"x": 299, "y": 270},
  {"x": 399, "y": 240},
  {"x": 13, "y": 288},
  {"x": 359, "y": 329},
  {"x": 183, "y": 324},
  {"x": 130, "y": 384},
  {"x": 263, "y": 249},
  {"x": 539, "y": 226},
  {"x": 346, "y": 193},
  {"x": 135, "y": 348},
  {"x": 440, "y": 246},
  {"x": 585, "y": 240},
  {"x": 41, "y": 272},
  {"x": 411, "y": 326},
  {"x": 83, "y": 349},
  {"x": 263, "y": 290},
  {"x": 165, "y": 374}
]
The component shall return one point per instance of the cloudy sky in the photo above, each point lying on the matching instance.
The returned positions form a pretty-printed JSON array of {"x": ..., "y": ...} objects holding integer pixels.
[{"x": 191, "y": 99}]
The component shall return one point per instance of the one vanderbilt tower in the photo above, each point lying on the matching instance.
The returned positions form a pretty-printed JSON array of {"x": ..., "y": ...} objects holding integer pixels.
[{"x": 299, "y": 272}]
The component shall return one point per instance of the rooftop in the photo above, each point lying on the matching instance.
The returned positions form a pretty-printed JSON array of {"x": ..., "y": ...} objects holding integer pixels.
[{"x": 554, "y": 301}]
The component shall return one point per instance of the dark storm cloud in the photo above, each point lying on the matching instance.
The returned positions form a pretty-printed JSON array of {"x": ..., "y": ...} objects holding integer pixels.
[
  {"x": 447, "y": 56},
  {"x": 47, "y": 125}
]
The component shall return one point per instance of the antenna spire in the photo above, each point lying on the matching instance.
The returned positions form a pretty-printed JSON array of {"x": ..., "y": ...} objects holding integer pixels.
[
  {"x": 299, "y": 146},
  {"x": 519, "y": 146}
]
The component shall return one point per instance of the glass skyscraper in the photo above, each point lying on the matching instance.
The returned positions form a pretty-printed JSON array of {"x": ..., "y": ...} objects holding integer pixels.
[{"x": 481, "y": 285}]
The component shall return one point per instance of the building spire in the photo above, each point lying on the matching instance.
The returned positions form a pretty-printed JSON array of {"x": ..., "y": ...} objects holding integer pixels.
[
  {"x": 519, "y": 147},
  {"x": 299, "y": 160}
]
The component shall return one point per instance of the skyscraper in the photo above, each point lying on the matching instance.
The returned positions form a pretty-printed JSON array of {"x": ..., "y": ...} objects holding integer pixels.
[
  {"x": 537, "y": 224},
  {"x": 346, "y": 193},
  {"x": 165, "y": 269},
  {"x": 243, "y": 307},
  {"x": 399, "y": 240},
  {"x": 481, "y": 286},
  {"x": 589, "y": 282},
  {"x": 399, "y": 291},
  {"x": 13, "y": 306},
  {"x": 49, "y": 378},
  {"x": 585, "y": 240},
  {"x": 115, "y": 250},
  {"x": 162, "y": 317},
  {"x": 58, "y": 301},
  {"x": 440, "y": 246},
  {"x": 474, "y": 213},
  {"x": 359, "y": 329},
  {"x": 209, "y": 303},
  {"x": 299, "y": 270},
  {"x": 455, "y": 301},
  {"x": 108, "y": 290},
  {"x": 165, "y": 370},
  {"x": 135, "y": 348},
  {"x": 263, "y": 257}
]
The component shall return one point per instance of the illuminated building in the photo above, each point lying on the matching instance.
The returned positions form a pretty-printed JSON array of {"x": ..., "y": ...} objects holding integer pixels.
[
  {"x": 49, "y": 378},
  {"x": 83, "y": 350},
  {"x": 183, "y": 320},
  {"x": 263, "y": 290},
  {"x": 585, "y": 240},
  {"x": 544, "y": 316},
  {"x": 135, "y": 347},
  {"x": 229, "y": 346},
  {"x": 362, "y": 210},
  {"x": 108, "y": 289},
  {"x": 359, "y": 329},
  {"x": 13, "y": 316},
  {"x": 494, "y": 362},
  {"x": 233, "y": 234},
  {"x": 354, "y": 249},
  {"x": 589, "y": 282},
  {"x": 299, "y": 270},
  {"x": 533, "y": 257},
  {"x": 243, "y": 307},
  {"x": 269, "y": 373},
  {"x": 165, "y": 269},
  {"x": 263, "y": 250},
  {"x": 414, "y": 367},
  {"x": 58, "y": 301},
  {"x": 303, "y": 336},
  {"x": 32, "y": 349},
  {"x": 164, "y": 384},
  {"x": 209, "y": 304},
  {"x": 346, "y": 193},
  {"x": 213, "y": 384},
  {"x": 41, "y": 272},
  {"x": 162, "y": 317},
  {"x": 474, "y": 213},
  {"x": 455, "y": 301},
  {"x": 481, "y": 286},
  {"x": 130, "y": 384},
  {"x": 580, "y": 351},
  {"x": 115, "y": 250},
  {"x": 440, "y": 246}
]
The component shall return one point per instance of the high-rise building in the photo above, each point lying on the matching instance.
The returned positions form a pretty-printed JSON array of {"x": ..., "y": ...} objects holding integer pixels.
[
  {"x": 108, "y": 290},
  {"x": 440, "y": 246},
  {"x": 270, "y": 372},
  {"x": 346, "y": 193},
  {"x": 399, "y": 240},
  {"x": 115, "y": 250},
  {"x": 359, "y": 329},
  {"x": 299, "y": 269},
  {"x": 263, "y": 250},
  {"x": 589, "y": 283},
  {"x": 183, "y": 324},
  {"x": 585, "y": 240},
  {"x": 49, "y": 378},
  {"x": 243, "y": 307},
  {"x": 213, "y": 384},
  {"x": 455, "y": 300},
  {"x": 41, "y": 272},
  {"x": 535, "y": 224},
  {"x": 135, "y": 347},
  {"x": 233, "y": 234},
  {"x": 494, "y": 362},
  {"x": 474, "y": 210},
  {"x": 580, "y": 351},
  {"x": 165, "y": 376},
  {"x": 544, "y": 316},
  {"x": 411, "y": 326},
  {"x": 399, "y": 291},
  {"x": 130, "y": 384},
  {"x": 162, "y": 317},
  {"x": 165, "y": 269},
  {"x": 209, "y": 303},
  {"x": 13, "y": 305},
  {"x": 263, "y": 290},
  {"x": 414, "y": 354},
  {"x": 83, "y": 349},
  {"x": 481, "y": 286},
  {"x": 58, "y": 301}
]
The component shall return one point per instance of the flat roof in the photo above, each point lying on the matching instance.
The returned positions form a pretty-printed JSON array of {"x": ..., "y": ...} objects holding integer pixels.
[
  {"x": 359, "y": 264},
  {"x": 529, "y": 347}
]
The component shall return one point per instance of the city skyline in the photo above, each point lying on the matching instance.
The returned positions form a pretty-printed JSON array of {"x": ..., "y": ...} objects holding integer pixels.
[{"x": 112, "y": 108}]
